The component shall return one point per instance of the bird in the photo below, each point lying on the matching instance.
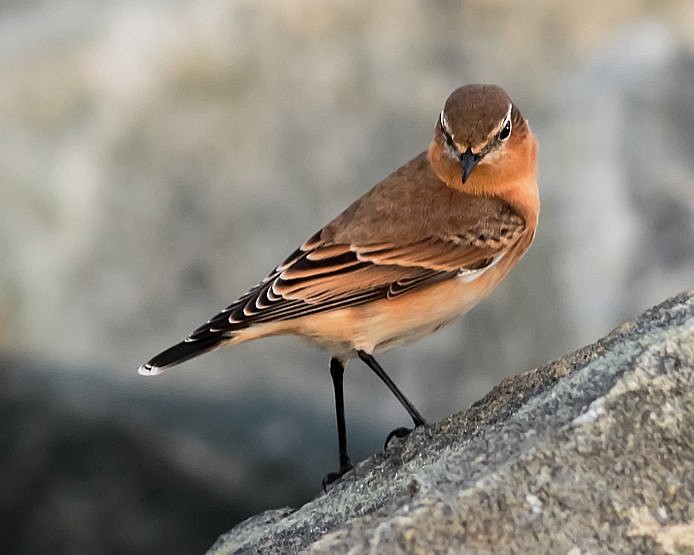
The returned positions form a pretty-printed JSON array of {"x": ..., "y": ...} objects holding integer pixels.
[{"x": 418, "y": 250}]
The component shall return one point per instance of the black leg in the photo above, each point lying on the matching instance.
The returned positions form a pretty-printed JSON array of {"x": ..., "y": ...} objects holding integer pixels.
[
  {"x": 336, "y": 372},
  {"x": 404, "y": 401}
]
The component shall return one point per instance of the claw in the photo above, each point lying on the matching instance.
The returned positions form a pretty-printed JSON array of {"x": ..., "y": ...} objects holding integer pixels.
[
  {"x": 397, "y": 432},
  {"x": 332, "y": 477}
]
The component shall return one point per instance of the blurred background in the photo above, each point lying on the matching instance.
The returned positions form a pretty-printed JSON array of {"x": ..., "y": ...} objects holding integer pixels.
[{"x": 160, "y": 157}]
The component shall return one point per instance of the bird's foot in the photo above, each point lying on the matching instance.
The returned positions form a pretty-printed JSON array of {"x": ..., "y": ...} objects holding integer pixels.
[
  {"x": 332, "y": 477},
  {"x": 403, "y": 432},
  {"x": 399, "y": 433}
]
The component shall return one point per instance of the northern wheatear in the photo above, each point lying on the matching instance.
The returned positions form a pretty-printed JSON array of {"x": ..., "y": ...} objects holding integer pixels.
[{"x": 418, "y": 250}]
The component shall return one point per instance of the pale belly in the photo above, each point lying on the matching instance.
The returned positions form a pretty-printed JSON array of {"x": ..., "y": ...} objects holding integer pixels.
[{"x": 382, "y": 325}]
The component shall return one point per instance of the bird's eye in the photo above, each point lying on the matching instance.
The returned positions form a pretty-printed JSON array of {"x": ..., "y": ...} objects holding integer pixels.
[
  {"x": 444, "y": 131},
  {"x": 447, "y": 136},
  {"x": 505, "y": 132}
]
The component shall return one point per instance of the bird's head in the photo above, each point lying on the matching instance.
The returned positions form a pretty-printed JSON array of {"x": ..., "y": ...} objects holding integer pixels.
[{"x": 478, "y": 125}]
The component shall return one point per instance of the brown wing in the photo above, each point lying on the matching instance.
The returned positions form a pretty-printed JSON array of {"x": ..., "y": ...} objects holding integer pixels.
[{"x": 326, "y": 276}]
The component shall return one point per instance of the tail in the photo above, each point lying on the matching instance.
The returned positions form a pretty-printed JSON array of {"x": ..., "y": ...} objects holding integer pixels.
[
  {"x": 179, "y": 353},
  {"x": 229, "y": 327}
]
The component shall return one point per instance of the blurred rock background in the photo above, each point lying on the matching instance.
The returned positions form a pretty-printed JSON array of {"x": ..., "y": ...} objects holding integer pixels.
[{"x": 158, "y": 158}]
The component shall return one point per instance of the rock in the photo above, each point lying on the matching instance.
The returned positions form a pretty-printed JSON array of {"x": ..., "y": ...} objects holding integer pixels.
[{"x": 590, "y": 453}]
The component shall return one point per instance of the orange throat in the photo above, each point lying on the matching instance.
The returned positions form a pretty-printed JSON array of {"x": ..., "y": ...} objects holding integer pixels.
[{"x": 511, "y": 176}]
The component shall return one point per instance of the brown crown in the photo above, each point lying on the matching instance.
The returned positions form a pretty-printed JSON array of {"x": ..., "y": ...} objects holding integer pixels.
[{"x": 474, "y": 111}]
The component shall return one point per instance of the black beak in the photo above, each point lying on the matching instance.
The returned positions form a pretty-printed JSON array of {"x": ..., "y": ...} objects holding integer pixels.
[{"x": 468, "y": 161}]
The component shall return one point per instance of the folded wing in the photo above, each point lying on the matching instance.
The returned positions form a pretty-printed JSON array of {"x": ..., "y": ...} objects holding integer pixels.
[{"x": 319, "y": 276}]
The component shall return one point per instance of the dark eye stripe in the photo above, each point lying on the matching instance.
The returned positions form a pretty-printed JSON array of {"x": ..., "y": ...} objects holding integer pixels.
[{"x": 447, "y": 136}]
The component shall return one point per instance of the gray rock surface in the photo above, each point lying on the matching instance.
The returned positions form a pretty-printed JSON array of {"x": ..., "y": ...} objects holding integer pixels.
[{"x": 591, "y": 453}]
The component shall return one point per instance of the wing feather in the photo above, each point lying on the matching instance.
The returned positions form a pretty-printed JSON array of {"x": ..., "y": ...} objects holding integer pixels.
[{"x": 322, "y": 276}]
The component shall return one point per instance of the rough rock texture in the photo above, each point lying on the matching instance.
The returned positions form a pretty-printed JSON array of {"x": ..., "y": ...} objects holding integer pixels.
[{"x": 592, "y": 453}]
